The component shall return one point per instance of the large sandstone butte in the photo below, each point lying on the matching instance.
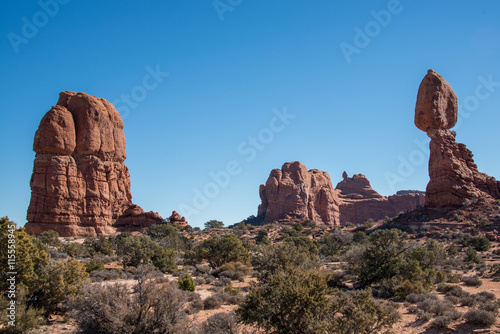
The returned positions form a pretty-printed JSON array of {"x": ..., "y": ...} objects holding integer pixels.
[
  {"x": 359, "y": 202},
  {"x": 80, "y": 184},
  {"x": 454, "y": 177},
  {"x": 296, "y": 194}
]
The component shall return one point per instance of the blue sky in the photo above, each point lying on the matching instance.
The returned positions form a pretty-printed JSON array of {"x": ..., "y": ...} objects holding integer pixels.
[{"x": 233, "y": 66}]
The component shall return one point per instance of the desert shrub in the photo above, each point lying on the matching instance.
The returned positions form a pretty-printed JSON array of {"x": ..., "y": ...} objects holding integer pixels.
[
  {"x": 111, "y": 309},
  {"x": 218, "y": 251},
  {"x": 104, "y": 275},
  {"x": 75, "y": 249},
  {"x": 479, "y": 243},
  {"x": 388, "y": 260},
  {"x": 424, "y": 316},
  {"x": 335, "y": 243},
  {"x": 211, "y": 224},
  {"x": 303, "y": 242},
  {"x": 472, "y": 281},
  {"x": 30, "y": 256},
  {"x": 235, "y": 300},
  {"x": 100, "y": 245},
  {"x": 186, "y": 283},
  {"x": 136, "y": 250},
  {"x": 287, "y": 301},
  {"x": 49, "y": 238},
  {"x": 94, "y": 265},
  {"x": 406, "y": 288},
  {"x": 442, "y": 321},
  {"x": 167, "y": 235},
  {"x": 269, "y": 259},
  {"x": 222, "y": 281},
  {"x": 164, "y": 259},
  {"x": 471, "y": 256},
  {"x": 452, "y": 290},
  {"x": 231, "y": 291},
  {"x": 435, "y": 306},
  {"x": 27, "y": 316},
  {"x": 452, "y": 250},
  {"x": 221, "y": 323},
  {"x": 214, "y": 301},
  {"x": 480, "y": 318},
  {"x": 489, "y": 306},
  {"x": 358, "y": 312},
  {"x": 452, "y": 299},
  {"x": 415, "y": 298},
  {"x": 57, "y": 281}
]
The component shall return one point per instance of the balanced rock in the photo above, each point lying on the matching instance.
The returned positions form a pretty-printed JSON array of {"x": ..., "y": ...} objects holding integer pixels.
[
  {"x": 80, "y": 184},
  {"x": 454, "y": 177},
  {"x": 359, "y": 202},
  {"x": 296, "y": 194}
]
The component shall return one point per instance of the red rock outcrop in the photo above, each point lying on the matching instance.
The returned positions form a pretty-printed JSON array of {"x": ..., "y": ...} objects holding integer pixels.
[
  {"x": 80, "y": 184},
  {"x": 454, "y": 177},
  {"x": 176, "y": 218},
  {"x": 359, "y": 202},
  {"x": 296, "y": 194}
]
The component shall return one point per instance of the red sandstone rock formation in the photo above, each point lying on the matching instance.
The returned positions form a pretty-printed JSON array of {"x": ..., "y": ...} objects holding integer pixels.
[
  {"x": 296, "y": 194},
  {"x": 359, "y": 202},
  {"x": 80, "y": 184},
  {"x": 176, "y": 218},
  {"x": 454, "y": 177}
]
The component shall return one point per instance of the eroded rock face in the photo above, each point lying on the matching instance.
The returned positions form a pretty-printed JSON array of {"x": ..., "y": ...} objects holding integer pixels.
[
  {"x": 296, "y": 194},
  {"x": 359, "y": 202},
  {"x": 454, "y": 177},
  {"x": 176, "y": 218},
  {"x": 80, "y": 184}
]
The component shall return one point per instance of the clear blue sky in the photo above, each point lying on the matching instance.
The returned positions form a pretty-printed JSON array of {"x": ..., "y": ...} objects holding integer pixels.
[{"x": 230, "y": 65}]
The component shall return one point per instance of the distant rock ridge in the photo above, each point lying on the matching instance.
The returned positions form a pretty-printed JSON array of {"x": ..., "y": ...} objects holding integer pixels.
[
  {"x": 359, "y": 202},
  {"x": 296, "y": 194},
  {"x": 454, "y": 177},
  {"x": 80, "y": 184}
]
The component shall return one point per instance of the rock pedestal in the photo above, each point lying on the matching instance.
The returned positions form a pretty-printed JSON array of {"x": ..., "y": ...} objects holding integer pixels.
[
  {"x": 80, "y": 184},
  {"x": 454, "y": 177}
]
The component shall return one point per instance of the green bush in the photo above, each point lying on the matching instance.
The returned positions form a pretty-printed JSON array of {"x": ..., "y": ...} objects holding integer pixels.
[
  {"x": 58, "y": 281},
  {"x": 187, "y": 283},
  {"x": 100, "y": 245},
  {"x": 94, "y": 265},
  {"x": 288, "y": 301},
  {"x": 218, "y": 251},
  {"x": 211, "y": 224},
  {"x": 50, "y": 238},
  {"x": 479, "y": 243},
  {"x": 27, "y": 316}
]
